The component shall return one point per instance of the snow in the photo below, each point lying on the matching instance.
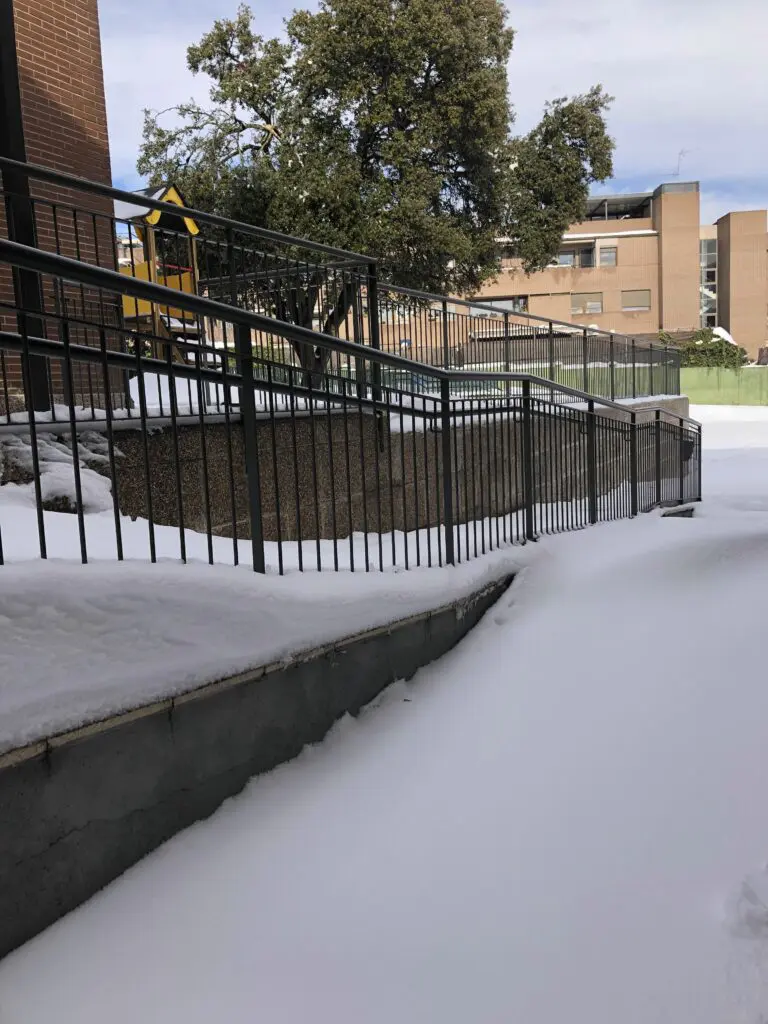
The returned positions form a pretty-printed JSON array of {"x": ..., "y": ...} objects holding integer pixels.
[
  {"x": 561, "y": 820},
  {"x": 80, "y": 643}
]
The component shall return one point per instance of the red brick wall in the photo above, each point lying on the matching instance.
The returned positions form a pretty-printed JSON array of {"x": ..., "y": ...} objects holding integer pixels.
[
  {"x": 62, "y": 86},
  {"x": 65, "y": 128}
]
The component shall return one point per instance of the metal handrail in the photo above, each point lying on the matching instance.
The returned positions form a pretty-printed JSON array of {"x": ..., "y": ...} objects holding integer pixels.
[
  {"x": 110, "y": 192},
  {"x": 40, "y": 261},
  {"x": 415, "y": 293}
]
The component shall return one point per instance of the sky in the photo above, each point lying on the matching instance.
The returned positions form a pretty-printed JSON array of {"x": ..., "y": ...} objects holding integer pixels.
[{"x": 688, "y": 76}]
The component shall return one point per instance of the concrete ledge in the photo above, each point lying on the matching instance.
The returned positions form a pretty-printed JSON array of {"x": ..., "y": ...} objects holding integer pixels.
[
  {"x": 680, "y": 511},
  {"x": 80, "y": 808}
]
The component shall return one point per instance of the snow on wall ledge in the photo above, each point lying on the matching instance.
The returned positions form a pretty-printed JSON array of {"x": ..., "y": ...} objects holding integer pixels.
[{"x": 80, "y": 810}]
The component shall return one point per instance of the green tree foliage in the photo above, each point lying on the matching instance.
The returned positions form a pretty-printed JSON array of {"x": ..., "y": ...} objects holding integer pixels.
[
  {"x": 383, "y": 126},
  {"x": 705, "y": 348}
]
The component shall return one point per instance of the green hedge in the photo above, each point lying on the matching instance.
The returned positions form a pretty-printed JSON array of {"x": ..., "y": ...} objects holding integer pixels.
[{"x": 718, "y": 386}]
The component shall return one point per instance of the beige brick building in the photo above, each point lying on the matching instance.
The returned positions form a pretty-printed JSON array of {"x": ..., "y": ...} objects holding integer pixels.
[{"x": 644, "y": 263}]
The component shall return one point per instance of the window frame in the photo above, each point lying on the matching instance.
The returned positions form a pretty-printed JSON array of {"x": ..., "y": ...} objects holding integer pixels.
[
  {"x": 583, "y": 309},
  {"x": 636, "y": 308}
]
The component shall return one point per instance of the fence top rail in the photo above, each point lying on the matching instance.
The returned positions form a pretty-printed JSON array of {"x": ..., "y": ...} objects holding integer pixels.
[
  {"x": 39, "y": 173},
  {"x": 487, "y": 304},
  {"x": 39, "y": 261}
]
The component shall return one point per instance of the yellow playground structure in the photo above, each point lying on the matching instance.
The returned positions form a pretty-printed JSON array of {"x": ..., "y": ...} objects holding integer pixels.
[{"x": 160, "y": 247}]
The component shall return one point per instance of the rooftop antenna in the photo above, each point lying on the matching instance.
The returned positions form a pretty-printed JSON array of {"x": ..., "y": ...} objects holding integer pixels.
[{"x": 683, "y": 153}]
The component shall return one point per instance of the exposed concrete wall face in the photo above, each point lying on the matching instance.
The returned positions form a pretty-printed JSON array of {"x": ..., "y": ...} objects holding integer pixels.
[
  {"x": 743, "y": 277},
  {"x": 80, "y": 809},
  {"x": 676, "y": 215}
]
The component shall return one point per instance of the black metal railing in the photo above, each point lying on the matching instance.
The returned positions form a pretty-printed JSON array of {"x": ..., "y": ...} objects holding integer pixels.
[
  {"x": 286, "y": 279},
  {"x": 250, "y": 459},
  {"x": 458, "y": 333}
]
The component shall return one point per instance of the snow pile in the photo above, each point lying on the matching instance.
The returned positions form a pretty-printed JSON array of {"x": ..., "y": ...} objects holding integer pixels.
[
  {"x": 79, "y": 643},
  {"x": 559, "y": 821},
  {"x": 57, "y": 473}
]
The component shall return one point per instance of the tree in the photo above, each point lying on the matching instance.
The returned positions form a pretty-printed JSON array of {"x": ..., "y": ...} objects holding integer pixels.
[
  {"x": 382, "y": 126},
  {"x": 705, "y": 348}
]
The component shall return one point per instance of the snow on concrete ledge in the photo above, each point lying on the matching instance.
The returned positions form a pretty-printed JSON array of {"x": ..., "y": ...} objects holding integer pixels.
[{"x": 80, "y": 643}]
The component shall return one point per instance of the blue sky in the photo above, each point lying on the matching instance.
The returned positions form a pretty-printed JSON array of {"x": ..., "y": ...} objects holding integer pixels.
[{"x": 686, "y": 75}]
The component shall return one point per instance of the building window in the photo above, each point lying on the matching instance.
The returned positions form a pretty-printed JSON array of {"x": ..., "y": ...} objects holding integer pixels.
[
  {"x": 638, "y": 301},
  {"x": 708, "y": 282},
  {"x": 586, "y": 302},
  {"x": 609, "y": 256},
  {"x": 582, "y": 257},
  {"x": 514, "y": 303}
]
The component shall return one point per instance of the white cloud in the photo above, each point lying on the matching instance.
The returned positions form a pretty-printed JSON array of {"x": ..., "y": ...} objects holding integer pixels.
[{"x": 685, "y": 74}]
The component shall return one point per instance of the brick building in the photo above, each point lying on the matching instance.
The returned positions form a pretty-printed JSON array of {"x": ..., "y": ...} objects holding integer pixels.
[
  {"x": 644, "y": 263},
  {"x": 62, "y": 86},
  {"x": 64, "y": 120}
]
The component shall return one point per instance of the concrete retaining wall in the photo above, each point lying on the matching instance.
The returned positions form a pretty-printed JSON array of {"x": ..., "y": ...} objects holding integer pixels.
[
  {"x": 366, "y": 476},
  {"x": 79, "y": 809}
]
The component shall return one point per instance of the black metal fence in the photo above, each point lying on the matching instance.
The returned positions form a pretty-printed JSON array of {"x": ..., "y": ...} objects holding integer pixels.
[
  {"x": 250, "y": 459},
  {"x": 284, "y": 279},
  {"x": 455, "y": 333}
]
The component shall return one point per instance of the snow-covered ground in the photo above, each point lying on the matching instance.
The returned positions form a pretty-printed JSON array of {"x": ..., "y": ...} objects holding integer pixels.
[
  {"x": 78, "y": 643},
  {"x": 562, "y": 820}
]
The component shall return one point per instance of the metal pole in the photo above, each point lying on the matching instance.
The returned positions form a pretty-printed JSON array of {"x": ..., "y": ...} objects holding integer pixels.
[
  {"x": 551, "y": 355},
  {"x": 650, "y": 370},
  {"x": 698, "y": 461},
  {"x": 633, "y": 471},
  {"x": 634, "y": 369},
  {"x": 374, "y": 330},
  {"x": 681, "y": 458},
  {"x": 446, "y": 340},
  {"x": 445, "y": 426},
  {"x": 612, "y": 363},
  {"x": 586, "y": 361},
  {"x": 591, "y": 462},
  {"x": 658, "y": 457},
  {"x": 528, "y": 476},
  {"x": 507, "y": 354},
  {"x": 27, "y": 288},
  {"x": 244, "y": 351}
]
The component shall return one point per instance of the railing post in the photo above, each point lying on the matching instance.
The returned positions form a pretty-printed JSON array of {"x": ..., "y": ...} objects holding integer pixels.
[
  {"x": 551, "y": 357},
  {"x": 651, "y": 390},
  {"x": 447, "y": 457},
  {"x": 681, "y": 457},
  {"x": 634, "y": 369},
  {"x": 529, "y": 497},
  {"x": 374, "y": 330},
  {"x": 586, "y": 361},
  {"x": 592, "y": 462},
  {"x": 446, "y": 340},
  {"x": 634, "y": 503},
  {"x": 357, "y": 335},
  {"x": 698, "y": 462},
  {"x": 507, "y": 354},
  {"x": 612, "y": 365},
  {"x": 657, "y": 444},
  {"x": 244, "y": 352}
]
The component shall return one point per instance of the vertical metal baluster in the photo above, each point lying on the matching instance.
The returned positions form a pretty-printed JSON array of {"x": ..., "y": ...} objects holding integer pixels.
[
  {"x": 28, "y": 382},
  {"x": 275, "y": 470},
  {"x": 528, "y": 492},
  {"x": 445, "y": 421},
  {"x": 247, "y": 403}
]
